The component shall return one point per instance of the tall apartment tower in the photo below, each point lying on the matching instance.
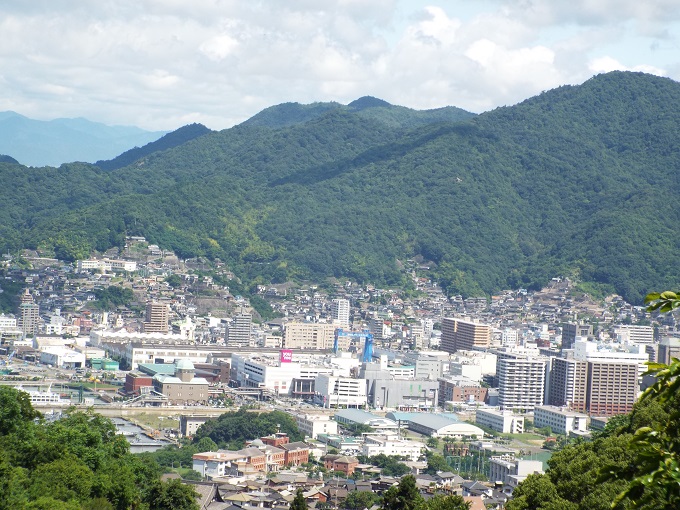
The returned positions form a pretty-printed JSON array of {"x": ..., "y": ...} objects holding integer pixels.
[
  {"x": 458, "y": 334},
  {"x": 668, "y": 348},
  {"x": 568, "y": 384},
  {"x": 612, "y": 387},
  {"x": 340, "y": 312},
  {"x": 29, "y": 315},
  {"x": 571, "y": 331},
  {"x": 521, "y": 382},
  {"x": 157, "y": 317},
  {"x": 239, "y": 331}
]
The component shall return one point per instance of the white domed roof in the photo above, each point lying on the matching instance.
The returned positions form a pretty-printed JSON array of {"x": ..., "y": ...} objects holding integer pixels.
[{"x": 184, "y": 364}]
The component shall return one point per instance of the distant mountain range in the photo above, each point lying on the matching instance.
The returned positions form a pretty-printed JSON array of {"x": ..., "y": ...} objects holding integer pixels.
[
  {"x": 40, "y": 143},
  {"x": 578, "y": 181}
]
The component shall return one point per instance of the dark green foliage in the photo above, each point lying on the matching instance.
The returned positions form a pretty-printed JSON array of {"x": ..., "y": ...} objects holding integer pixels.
[
  {"x": 4, "y": 158},
  {"x": 390, "y": 465},
  {"x": 233, "y": 429},
  {"x": 77, "y": 462},
  {"x": 359, "y": 500},
  {"x": 172, "y": 495},
  {"x": 576, "y": 181},
  {"x": 111, "y": 297},
  {"x": 299, "y": 502},
  {"x": 441, "y": 502},
  {"x": 16, "y": 410},
  {"x": 404, "y": 496}
]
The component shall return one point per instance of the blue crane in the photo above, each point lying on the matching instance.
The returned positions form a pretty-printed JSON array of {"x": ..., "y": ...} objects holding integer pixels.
[{"x": 367, "y": 356}]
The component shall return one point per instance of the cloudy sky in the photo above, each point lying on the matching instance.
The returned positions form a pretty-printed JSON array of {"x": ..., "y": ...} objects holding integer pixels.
[{"x": 160, "y": 64}]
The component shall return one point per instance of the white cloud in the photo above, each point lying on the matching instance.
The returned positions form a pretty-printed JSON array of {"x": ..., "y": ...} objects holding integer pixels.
[{"x": 161, "y": 63}]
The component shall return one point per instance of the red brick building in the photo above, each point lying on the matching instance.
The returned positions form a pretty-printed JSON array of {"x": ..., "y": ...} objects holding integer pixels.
[
  {"x": 296, "y": 453},
  {"x": 341, "y": 463}
]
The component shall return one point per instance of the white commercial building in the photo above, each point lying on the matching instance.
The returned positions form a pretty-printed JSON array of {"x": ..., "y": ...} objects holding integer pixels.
[
  {"x": 511, "y": 471},
  {"x": 560, "y": 420},
  {"x": 628, "y": 333},
  {"x": 391, "y": 445},
  {"x": 332, "y": 391},
  {"x": 314, "y": 424},
  {"x": 106, "y": 265},
  {"x": 506, "y": 422},
  {"x": 62, "y": 357}
]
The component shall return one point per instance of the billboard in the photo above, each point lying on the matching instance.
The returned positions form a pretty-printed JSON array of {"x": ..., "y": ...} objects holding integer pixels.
[{"x": 286, "y": 356}]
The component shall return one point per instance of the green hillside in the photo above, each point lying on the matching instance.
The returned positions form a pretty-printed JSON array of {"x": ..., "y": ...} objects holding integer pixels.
[{"x": 577, "y": 180}]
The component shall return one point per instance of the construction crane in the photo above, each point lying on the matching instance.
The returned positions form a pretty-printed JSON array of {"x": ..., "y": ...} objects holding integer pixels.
[{"x": 367, "y": 356}]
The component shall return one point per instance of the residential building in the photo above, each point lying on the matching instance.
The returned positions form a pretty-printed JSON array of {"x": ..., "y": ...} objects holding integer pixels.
[
  {"x": 568, "y": 383},
  {"x": 613, "y": 387},
  {"x": 29, "y": 315},
  {"x": 629, "y": 333},
  {"x": 157, "y": 317},
  {"x": 521, "y": 381},
  {"x": 340, "y": 312},
  {"x": 239, "y": 330},
  {"x": 460, "y": 389}
]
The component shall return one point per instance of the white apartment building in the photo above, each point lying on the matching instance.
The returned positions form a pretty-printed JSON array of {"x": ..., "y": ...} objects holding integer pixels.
[
  {"x": 560, "y": 420},
  {"x": 340, "y": 312},
  {"x": 511, "y": 471},
  {"x": 217, "y": 464},
  {"x": 506, "y": 422},
  {"x": 391, "y": 445},
  {"x": 335, "y": 392},
  {"x": 521, "y": 382},
  {"x": 314, "y": 424},
  {"x": 7, "y": 322},
  {"x": 308, "y": 335}
]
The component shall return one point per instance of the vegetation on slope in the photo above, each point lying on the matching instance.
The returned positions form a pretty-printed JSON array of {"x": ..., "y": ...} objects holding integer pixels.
[{"x": 572, "y": 181}]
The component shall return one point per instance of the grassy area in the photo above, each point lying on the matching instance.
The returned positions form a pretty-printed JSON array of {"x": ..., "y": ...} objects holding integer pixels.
[{"x": 155, "y": 422}]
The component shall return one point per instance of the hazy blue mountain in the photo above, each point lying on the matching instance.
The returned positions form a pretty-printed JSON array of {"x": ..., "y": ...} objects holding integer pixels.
[{"x": 51, "y": 143}]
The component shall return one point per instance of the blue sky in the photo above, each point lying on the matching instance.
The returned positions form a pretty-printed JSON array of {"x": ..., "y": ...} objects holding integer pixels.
[{"x": 160, "y": 64}]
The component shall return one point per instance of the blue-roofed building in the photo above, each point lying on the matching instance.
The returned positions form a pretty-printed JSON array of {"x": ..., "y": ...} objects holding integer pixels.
[
  {"x": 437, "y": 424},
  {"x": 358, "y": 417}
]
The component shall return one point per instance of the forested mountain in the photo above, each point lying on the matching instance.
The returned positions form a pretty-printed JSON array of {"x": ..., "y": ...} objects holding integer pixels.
[
  {"x": 173, "y": 139},
  {"x": 38, "y": 143},
  {"x": 580, "y": 179}
]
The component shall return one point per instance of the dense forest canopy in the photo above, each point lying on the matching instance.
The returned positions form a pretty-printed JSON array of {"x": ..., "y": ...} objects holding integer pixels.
[{"x": 574, "y": 181}]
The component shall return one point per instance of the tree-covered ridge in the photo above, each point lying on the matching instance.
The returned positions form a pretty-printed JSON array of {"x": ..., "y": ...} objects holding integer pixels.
[
  {"x": 173, "y": 139},
  {"x": 576, "y": 181}
]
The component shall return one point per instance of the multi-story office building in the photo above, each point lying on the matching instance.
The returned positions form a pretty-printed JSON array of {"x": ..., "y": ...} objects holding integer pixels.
[
  {"x": 521, "y": 381},
  {"x": 628, "y": 333},
  {"x": 314, "y": 424},
  {"x": 239, "y": 330},
  {"x": 506, "y": 422},
  {"x": 511, "y": 471},
  {"x": 570, "y": 332},
  {"x": 560, "y": 420},
  {"x": 340, "y": 312},
  {"x": 339, "y": 392},
  {"x": 157, "y": 317},
  {"x": 668, "y": 348},
  {"x": 308, "y": 335},
  {"x": 568, "y": 383},
  {"x": 456, "y": 388},
  {"x": 460, "y": 334}
]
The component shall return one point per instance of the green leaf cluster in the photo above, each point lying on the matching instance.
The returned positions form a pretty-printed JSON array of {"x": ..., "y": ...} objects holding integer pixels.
[{"x": 77, "y": 462}]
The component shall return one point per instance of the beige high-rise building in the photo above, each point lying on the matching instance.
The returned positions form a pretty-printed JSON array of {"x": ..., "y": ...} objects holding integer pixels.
[
  {"x": 568, "y": 383},
  {"x": 157, "y": 317},
  {"x": 458, "y": 334},
  {"x": 29, "y": 315},
  {"x": 613, "y": 387},
  {"x": 239, "y": 330},
  {"x": 308, "y": 335}
]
